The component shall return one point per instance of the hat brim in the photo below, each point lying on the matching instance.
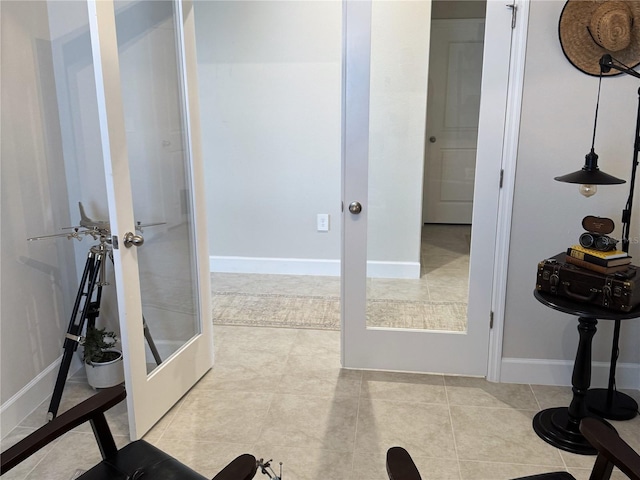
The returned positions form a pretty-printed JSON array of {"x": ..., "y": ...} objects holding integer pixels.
[{"x": 582, "y": 50}]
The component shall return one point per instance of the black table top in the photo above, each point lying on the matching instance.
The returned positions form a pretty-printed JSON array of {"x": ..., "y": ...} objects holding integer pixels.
[{"x": 582, "y": 309}]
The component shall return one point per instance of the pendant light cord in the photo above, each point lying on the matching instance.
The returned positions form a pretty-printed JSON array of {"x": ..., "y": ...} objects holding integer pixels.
[{"x": 595, "y": 121}]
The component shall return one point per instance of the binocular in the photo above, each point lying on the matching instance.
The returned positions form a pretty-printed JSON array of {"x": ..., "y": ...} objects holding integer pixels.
[{"x": 598, "y": 241}]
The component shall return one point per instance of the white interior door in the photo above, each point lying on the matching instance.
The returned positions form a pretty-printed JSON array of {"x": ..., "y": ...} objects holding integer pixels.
[
  {"x": 455, "y": 75},
  {"x": 144, "y": 62},
  {"x": 385, "y": 78}
]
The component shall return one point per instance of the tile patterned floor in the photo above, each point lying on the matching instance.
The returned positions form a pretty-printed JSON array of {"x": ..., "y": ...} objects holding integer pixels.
[{"x": 280, "y": 393}]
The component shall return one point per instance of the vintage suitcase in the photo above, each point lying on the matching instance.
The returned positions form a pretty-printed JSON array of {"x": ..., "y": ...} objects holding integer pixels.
[{"x": 619, "y": 291}]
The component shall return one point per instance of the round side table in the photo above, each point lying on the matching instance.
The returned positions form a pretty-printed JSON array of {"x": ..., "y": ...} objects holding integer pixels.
[{"x": 560, "y": 426}]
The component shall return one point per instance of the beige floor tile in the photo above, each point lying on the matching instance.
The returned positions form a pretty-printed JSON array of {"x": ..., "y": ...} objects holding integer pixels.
[
  {"x": 74, "y": 451},
  {"x": 449, "y": 278},
  {"x": 501, "y": 435},
  {"x": 502, "y": 471},
  {"x": 398, "y": 289},
  {"x": 252, "y": 338},
  {"x": 242, "y": 378},
  {"x": 313, "y": 422},
  {"x": 73, "y": 394},
  {"x": 268, "y": 360},
  {"x": 319, "y": 375},
  {"x": 408, "y": 387},
  {"x": 20, "y": 471},
  {"x": 220, "y": 416},
  {"x": 161, "y": 425},
  {"x": 446, "y": 293},
  {"x": 480, "y": 393},
  {"x": 455, "y": 263},
  {"x": 313, "y": 342},
  {"x": 424, "y": 431},
  {"x": 549, "y": 396}
]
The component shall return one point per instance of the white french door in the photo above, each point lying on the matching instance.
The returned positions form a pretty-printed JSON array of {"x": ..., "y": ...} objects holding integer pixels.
[
  {"x": 144, "y": 66},
  {"x": 386, "y": 49}
]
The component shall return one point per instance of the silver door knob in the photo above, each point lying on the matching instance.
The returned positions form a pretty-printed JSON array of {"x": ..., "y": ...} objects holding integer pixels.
[
  {"x": 432, "y": 139},
  {"x": 132, "y": 240},
  {"x": 355, "y": 207}
]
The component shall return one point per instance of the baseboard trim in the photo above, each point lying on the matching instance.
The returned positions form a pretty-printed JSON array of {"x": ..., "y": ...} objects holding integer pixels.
[
  {"x": 20, "y": 406},
  {"x": 393, "y": 270},
  {"x": 308, "y": 266},
  {"x": 558, "y": 372}
]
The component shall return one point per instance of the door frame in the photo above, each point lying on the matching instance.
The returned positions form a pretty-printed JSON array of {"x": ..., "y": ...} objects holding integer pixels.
[
  {"x": 513, "y": 110},
  {"x": 498, "y": 136}
]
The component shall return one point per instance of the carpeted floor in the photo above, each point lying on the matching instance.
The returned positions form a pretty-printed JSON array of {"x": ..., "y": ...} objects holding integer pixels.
[
  {"x": 435, "y": 301},
  {"x": 302, "y": 311}
]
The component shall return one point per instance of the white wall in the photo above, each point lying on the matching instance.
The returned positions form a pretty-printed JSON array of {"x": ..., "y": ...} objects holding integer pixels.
[
  {"x": 37, "y": 277},
  {"x": 270, "y": 105},
  {"x": 269, "y": 75},
  {"x": 555, "y": 135},
  {"x": 398, "y": 111}
]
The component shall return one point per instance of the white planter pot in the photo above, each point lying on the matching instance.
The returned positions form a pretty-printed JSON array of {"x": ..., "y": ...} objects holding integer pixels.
[{"x": 105, "y": 375}]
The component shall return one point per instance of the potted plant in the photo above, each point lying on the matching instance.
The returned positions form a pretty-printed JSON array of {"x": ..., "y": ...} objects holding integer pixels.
[{"x": 102, "y": 361}]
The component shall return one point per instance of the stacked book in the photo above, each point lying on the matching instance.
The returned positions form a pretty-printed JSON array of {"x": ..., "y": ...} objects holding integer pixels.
[{"x": 603, "y": 262}]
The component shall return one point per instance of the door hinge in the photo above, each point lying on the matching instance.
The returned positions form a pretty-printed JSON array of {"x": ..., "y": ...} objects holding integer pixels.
[
  {"x": 490, "y": 320},
  {"x": 514, "y": 10},
  {"x": 501, "y": 177}
]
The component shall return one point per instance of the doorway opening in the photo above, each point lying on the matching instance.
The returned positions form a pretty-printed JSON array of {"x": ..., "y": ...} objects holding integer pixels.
[
  {"x": 453, "y": 108},
  {"x": 271, "y": 102}
]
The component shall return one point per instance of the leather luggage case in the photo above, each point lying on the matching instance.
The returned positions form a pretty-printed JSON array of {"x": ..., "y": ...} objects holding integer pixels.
[{"x": 620, "y": 291}]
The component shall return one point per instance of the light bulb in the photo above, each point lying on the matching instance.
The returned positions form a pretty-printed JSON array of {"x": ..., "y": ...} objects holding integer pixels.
[{"x": 588, "y": 190}]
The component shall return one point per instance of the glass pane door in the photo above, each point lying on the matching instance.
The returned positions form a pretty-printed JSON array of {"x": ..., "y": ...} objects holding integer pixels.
[
  {"x": 144, "y": 86},
  {"x": 160, "y": 175},
  {"x": 393, "y": 317}
]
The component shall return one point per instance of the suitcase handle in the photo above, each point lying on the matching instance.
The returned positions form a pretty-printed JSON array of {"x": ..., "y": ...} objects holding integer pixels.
[{"x": 575, "y": 296}]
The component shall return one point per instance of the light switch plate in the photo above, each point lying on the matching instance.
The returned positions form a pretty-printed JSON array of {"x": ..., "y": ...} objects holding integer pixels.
[{"x": 323, "y": 222}]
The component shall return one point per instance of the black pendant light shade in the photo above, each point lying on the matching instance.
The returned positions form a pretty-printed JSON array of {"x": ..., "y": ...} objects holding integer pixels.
[{"x": 590, "y": 174}]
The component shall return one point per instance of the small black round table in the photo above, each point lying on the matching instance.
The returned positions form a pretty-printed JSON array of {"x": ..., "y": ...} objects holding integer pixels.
[{"x": 559, "y": 426}]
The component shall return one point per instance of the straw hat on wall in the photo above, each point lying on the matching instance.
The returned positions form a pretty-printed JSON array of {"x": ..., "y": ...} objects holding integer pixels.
[{"x": 591, "y": 28}]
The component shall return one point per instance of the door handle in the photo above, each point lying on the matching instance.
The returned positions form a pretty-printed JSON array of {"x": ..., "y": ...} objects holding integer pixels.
[
  {"x": 432, "y": 139},
  {"x": 132, "y": 240},
  {"x": 355, "y": 208}
]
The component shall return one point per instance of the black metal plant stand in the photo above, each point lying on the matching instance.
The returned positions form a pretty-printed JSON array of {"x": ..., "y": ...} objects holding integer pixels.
[
  {"x": 610, "y": 403},
  {"x": 560, "y": 426}
]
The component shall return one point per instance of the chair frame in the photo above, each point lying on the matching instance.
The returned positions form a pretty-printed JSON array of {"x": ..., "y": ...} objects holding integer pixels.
[
  {"x": 93, "y": 411},
  {"x": 613, "y": 451}
]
